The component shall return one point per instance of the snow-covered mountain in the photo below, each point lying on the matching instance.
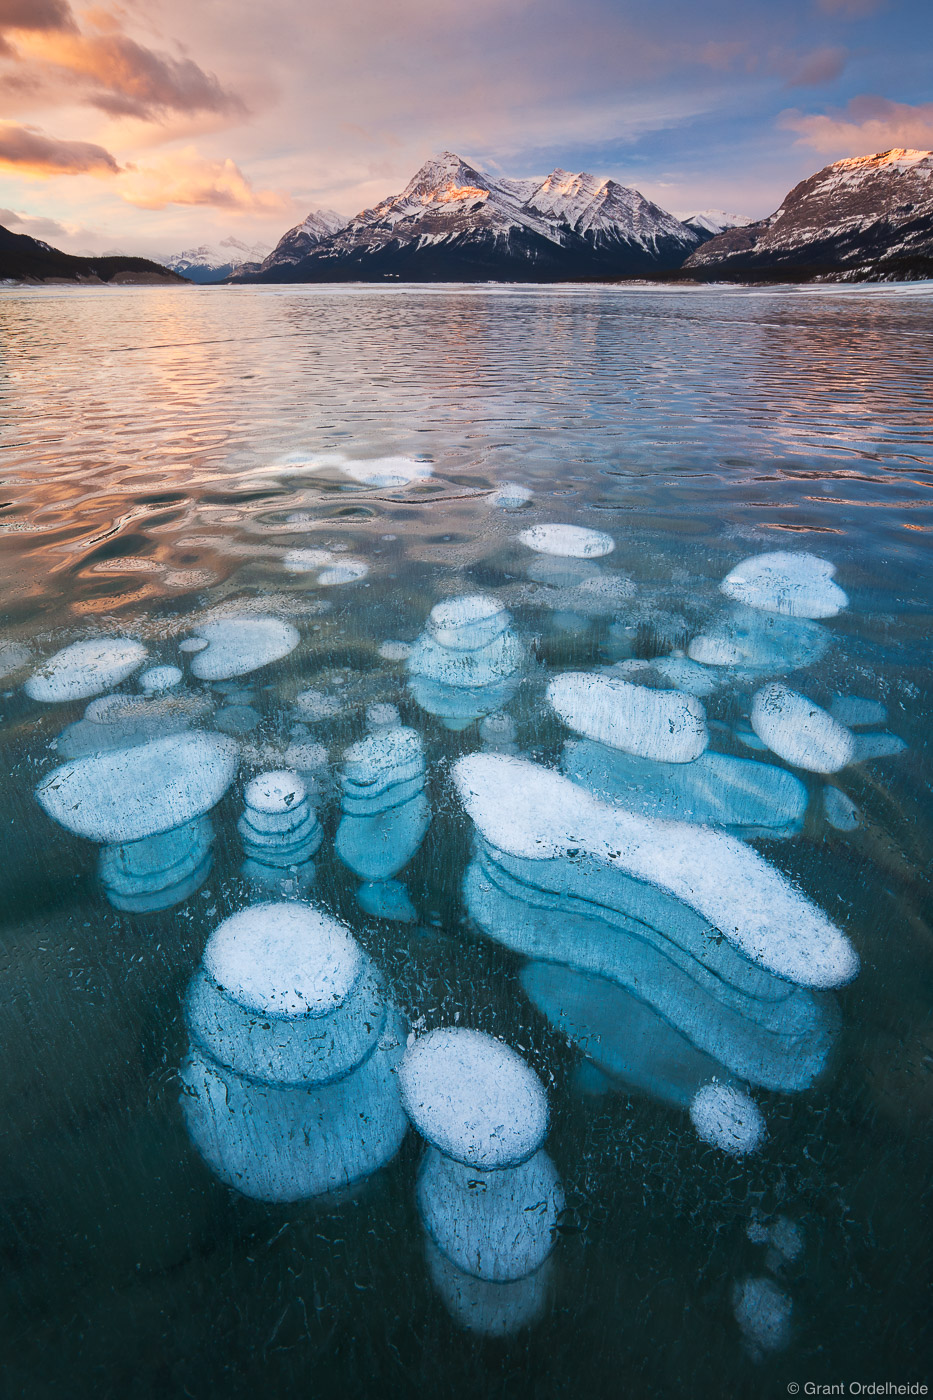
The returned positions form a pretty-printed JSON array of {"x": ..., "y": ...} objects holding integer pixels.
[
  {"x": 867, "y": 216},
  {"x": 210, "y": 264},
  {"x": 709, "y": 222},
  {"x": 298, "y": 242},
  {"x": 455, "y": 222}
]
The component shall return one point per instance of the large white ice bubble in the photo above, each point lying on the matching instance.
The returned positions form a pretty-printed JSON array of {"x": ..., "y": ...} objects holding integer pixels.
[
  {"x": 284, "y": 960},
  {"x": 289, "y": 1144},
  {"x": 532, "y": 812},
  {"x": 728, "y": 1118},
  {"x": 797, "y": 585},
  {"x": 467, "y": 662},
  {"x": 131, "y": 793},
  {"x": 800, "y": 731},
  {"x": 659, "y": 724},
  {"x": 474, "y": 1098},
  {"x": 497, "y": 1225},
  {"x": 238, "y": 645},
  {"x": 85, "y": 669},
  {"x": 568, "y": 541},
  {"x": 625, "y": 1036}
]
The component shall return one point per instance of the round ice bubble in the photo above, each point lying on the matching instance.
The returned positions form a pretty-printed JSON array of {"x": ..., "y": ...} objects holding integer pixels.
[
  {"x": 468, "y": 622},
  {"x": 275, "y": 793},
  {"x": 473, "y": 1098},
  {"x": 284, "y": 960},
  {"x": 567, "y": 541},
  {"x": 159, "y": 678},
  {"x": 763, "y": 1312},
  {"x": 238, "y": 645},
  {"x": 797, "y": 585},
  {"x": 85, "y": 668},
  {"x": 382, "y": 717},
  {"x": 727, "y": 1118}
]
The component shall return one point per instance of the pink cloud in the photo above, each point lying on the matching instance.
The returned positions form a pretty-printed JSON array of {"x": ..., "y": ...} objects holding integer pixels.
[
  {"x": 185, "y": 177},
  {"x": 821, "y": 66},
  {"x": 31, "y": 152},
  {"x": 866, "y": 125}
]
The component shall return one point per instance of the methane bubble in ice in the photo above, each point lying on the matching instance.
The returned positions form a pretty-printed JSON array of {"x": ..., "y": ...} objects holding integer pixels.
[
  {"x": 467, "y": 662},
  {"x": 800, "y": 731},
  {"x": 763, "y": 1312},
  {"x": 489, "y": 1309},
  {"x": 797, "y": 585},
  {"x": 473, "y": 1098},
  {"x": 279, "y": 828},
  {"x": 132, "y": 793},
  {"x": 158, "y": 871},
  {"x": 85, "y": 669},
  {"x": 857, "y": 713},
  {"x": 839, "y": 809},
  {"x": 385, "y": 811},
  {"x": 530, "y": 812},
  {"x": 659, "y": 724},
  {"x": 387, "y": 472},
  {"x": 881, "y": 745},
  {"x": 159, "y": 678},
  {"x": 495, "y": 1224},
  {"x": 567, "y": 541},
  {"x": 238, "y": 645},
  {"x": 285, "y": 995},
  {"x": 510, "y": 496},
  {"x": 728, "y": 1118},
  {"x": 278, "y": 1143},
  {"x": 759, "y": 643}
]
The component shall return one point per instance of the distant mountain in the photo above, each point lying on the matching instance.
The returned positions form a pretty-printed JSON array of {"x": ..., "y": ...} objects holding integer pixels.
[
  {"x": 865, "y": 217},
  {"x": 453, "y": 222},
  {"x": 299, "y": 241},
  {"x": 25, "y": 259},
  {"x": 210, "y": 264},
  {"x": 709, "y": 222}
]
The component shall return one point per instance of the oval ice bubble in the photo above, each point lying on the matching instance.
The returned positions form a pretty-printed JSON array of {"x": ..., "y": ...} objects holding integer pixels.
[
  {"x": 85, "y": 668},
  {"x": 800, "y": 731},
  {"x": 473, "y": 1098},
  {"x": 468, "y": 623},
  {"x": 727, "y": 1118},
  {"x": 797, "y": 585},
  {"x": 238, "y": 645},
  {"x": 284, "y": 960},
  {"x": 567, "y": 541},
  {"x": 763, "y": 1312},
  {"x": 160, "y": 678},
  {"x": 659, "y": 724},
  {"x": 128, "y": 794}
]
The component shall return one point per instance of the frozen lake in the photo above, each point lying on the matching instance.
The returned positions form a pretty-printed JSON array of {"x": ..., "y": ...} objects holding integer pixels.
[{"x": 655, "y": 815}]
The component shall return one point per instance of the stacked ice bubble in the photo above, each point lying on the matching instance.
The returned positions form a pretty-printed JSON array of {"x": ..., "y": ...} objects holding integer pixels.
[
  {"x": 467, "y": 662},
  {"x": 385, "y": 811},
  {"x": 279, "y": 830},
  {"x": 488, "y": 1193},
  {"x": 689, "y": 919},
  {"x": 290, "y": 1084},
  {"x": 147, "y": 806}
]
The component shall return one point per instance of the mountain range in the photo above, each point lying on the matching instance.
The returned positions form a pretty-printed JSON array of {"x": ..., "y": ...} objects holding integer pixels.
[{"x": 868, "y": 217}]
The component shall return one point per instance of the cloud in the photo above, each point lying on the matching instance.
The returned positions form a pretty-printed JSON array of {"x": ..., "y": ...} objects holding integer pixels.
[
  {"x": 821, "y": 66},
  {"x": 185, "y": 177},
  {"x": 36, "y": 14},
  {"x": 866, "y": 125},
  {"x": 126, "y": 78},
  {"x": 29, "y": 152},
  {"x": 36, "y": 227}
]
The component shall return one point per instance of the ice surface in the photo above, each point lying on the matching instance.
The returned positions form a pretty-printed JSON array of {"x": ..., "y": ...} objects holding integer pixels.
[
  {"x": 738, "y": 794},
  {"x": 85, "y": 668},
  {"x": 800, "y": 731},
  {"x": 314, "y": 705},
  {"x": 659, "y": 724},
  {"x": 625, "y": 1036},
  {"x": 330, "y": 568},
  {"x": 797, "y": 585},
  {"x": 289, "y": 1144},
  {"x": 569, "y": 541},
  {"x": 284, "y": 960},
  {"x": 474, "y": 1098},
  {"x": 238, "y": 645},
  {"x": 131, "y": 793},
  {"x": 728, "y": 1118},
  {"x": 497, "y": 1225},
  {"x": 533, "y": 812}
]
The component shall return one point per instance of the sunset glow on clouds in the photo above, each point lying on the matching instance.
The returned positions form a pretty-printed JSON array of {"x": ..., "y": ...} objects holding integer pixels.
[{"x": 154, "y": 124}]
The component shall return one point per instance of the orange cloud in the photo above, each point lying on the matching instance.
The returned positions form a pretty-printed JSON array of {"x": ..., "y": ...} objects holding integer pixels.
[
  {"x": 188, "y": 178},
  {"x": 30, "y": 152},
  {"x": 866, "y": 125}
]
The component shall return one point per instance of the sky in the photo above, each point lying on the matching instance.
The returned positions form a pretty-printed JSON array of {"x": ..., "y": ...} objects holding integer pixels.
[{"x": 152, "y": 126}]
